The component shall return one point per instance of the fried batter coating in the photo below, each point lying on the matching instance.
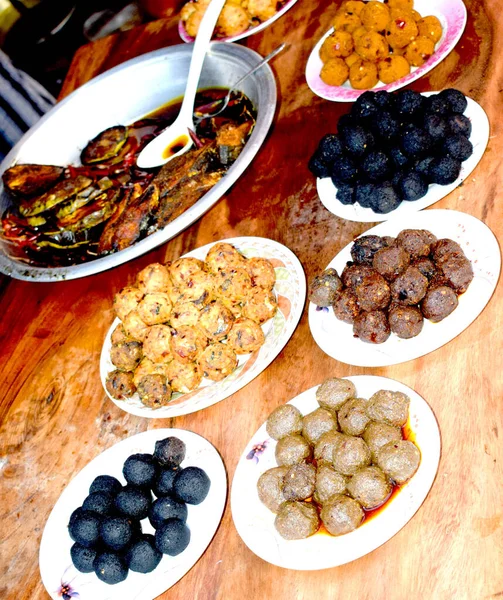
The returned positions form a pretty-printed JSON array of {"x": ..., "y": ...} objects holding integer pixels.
[
  {"x": 183, "y": 268},
  {"x": 184, "y": 377},
  {"x": 215, "y": 320},
  {"x": 218, "y": 361},
  {"x": 260, "y": 306},
  {"x": 261, "y": 272},
  {"x": 126, "y": 300},
  {"x": 154, "y": 308},
  {"x": 225, "y": 257},
  {"x": 153, "y": 278},
  {"x": 187, "y": 343},
  {"x": 245, "y": 336},
  {"x": 156, "y": 345},
  {"x": 184, "y": 313}
]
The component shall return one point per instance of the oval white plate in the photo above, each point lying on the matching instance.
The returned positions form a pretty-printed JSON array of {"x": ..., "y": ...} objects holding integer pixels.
[
  {"x": 290, "y": 291},
  {"x": 452, "y": 16},
  {"x": 54, "y": 559},
  {"x": 354, "y": 212},
  {"x": 255, "y": 523},
  {"x": 480, "y": 246},
  {"x": 182, "y": 32}
]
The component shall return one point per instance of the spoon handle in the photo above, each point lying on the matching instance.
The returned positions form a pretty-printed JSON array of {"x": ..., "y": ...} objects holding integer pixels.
[
  {"x": 199, "y": 50},
  {"x": 265, "y": 60}
]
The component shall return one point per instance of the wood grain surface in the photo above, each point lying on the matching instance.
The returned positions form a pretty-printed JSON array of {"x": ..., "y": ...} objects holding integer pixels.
[{"x": 55, "y": 416}]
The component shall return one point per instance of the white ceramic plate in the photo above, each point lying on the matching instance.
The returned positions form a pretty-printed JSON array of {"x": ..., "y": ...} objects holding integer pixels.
[
  {"x": 452, "y": 16},
  {"x": 354, "y": 212},
  {"x": 480, "y": 246},
  {"x": 55, "y": 562},
  {"x": 287, "y": 6},
  {"x": 255, "y": 523},
  {"x": 290, "y": 289}
]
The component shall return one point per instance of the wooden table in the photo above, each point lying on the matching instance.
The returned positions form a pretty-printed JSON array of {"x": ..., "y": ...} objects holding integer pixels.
[{"x": 55, "y": 415}]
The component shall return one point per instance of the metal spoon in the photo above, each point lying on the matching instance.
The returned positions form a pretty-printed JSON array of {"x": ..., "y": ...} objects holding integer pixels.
[
  {"x": 175, "y": 139},
  {"x": 203, "y": 112}
]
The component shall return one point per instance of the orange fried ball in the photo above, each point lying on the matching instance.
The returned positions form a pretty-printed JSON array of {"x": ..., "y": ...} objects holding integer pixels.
[
  {"x": 357, "y": 33},
  {"x": 363, "y": 76},
  {"x": 401, "y": 3},
  {"x": 353, "y": 6},
  {"x": 337, "y": 45},
  {"x": 401, "y": 31},
  {"x": 419, "y": 51},
  {"x": 193, "y": 21},
  {"x": 430, "y": 27},
  {"x": 261, "y": 9},
  {"x": 353, "y": 59},
  {"x": 346, "y": 22},
  {"x": 392, "y": 68},
  {"x": 334, "y": 72},
  {"x": 375, "y": 16},
  {"x": 233, "y": 20},
  {"x": 372, "y": 47}
]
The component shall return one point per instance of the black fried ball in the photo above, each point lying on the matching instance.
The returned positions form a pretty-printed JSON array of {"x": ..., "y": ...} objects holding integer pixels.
[
  {"x": 110, "y": 568},
  {"x": 455, "y": 100},
  {"x": 169, "y": 452},
  {"x": 435, "y": 126},
  {"x": 99, "y": 502},
  {"x": 460, "y": 124},
  {"x": 364, "y": 248},
  {"x": 365, "y": 106},
  {"x": 143, "y": 556},
  {"x": 318, "y": 167},
  {"x": 385, "y": 125},
  {"x": 345, "y": 193},
  {"x": 423, "y": 167},
  {"x": 384, "y": 198},
  {"x": 344, "y": 170},
  {"x": 105, "y": 483},
  {"x": 409, "y": 103},
  {"x": 191, "y": 485},
  {"x": 82, "y": 558},
  {"x": 140, "y": 470},
  {"x": 412, "y": 187},
  {"x": 133, "y": 502},
  {"x": 384, "y": 99},
  {"x": 172, "y": 537},
  {"x": 163, "y": 485},
  {"x": 376, "y": 166},
  {"x": 444, "y": 170},
  {"x": 85, "y": 528},
  {"x": 344, "y": 122},
  {"x": 397, "y": 156},
  {"x": 330, "y": 147},
  {"x": 458, "y": 146},
  {"x": 437, "y": 104},
  {"x": 415, "y": 142},
  {"x": 364, "y": 193},
  {"x": 357, "y": 140},
  {"x": 166, "y": 508},
  {"x": 74, "y": 515},
  {"x": 116, "y": 532}
]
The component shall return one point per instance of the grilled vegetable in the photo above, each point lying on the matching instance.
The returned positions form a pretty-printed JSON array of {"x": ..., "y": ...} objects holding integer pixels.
[
  {"x": 28, "y": 180},
  {"x": 91, "y": 215},
  {"x": 105, "y": 145},
  {"x": 59, "y": 193}
]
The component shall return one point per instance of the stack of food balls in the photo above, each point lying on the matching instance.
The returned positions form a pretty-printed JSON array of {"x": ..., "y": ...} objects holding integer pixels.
[
  {"x": 188, "y": 320},
  {"x": 107, "y": 530},
  {"x": 391, "y": 147},
  {"x": 374, "y": 41},
  {"x": 337, "y": 462},
  {"x": 392, "y": 284}
]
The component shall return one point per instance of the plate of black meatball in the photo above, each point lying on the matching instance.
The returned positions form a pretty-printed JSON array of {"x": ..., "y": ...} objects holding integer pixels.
[
  {"x": 335, "y": 473},
  {"x": 135, "y": 519},
  {"x": 394, "y": 154},
  {"x": 405, "y": 288}
]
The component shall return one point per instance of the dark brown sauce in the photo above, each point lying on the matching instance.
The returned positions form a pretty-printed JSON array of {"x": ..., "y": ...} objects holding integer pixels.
[{"x": 175, "y": 146}]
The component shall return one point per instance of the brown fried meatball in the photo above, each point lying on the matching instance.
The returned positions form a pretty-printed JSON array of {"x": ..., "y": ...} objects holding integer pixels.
[
  {"x": 389, "y": 407},
  {"x": 442, "y": 248},
  {"x": 184, "y": 377},
  {"x": 345, "y": 306},
  {"x": 370, "y": 487},
  {"x": 364, "y": 248},
  {"x": 284, "y": 420},
  {"x": 215, "y": 320},
  {"x": 187, "y": 343},
  {"x": 324, "y": 288},
  {"x": 184, "y": 313},
  {"x": 218, "y": 361},
  {"x": 325, "y": 446},
  {"x": 147, "y": 367},
  {"x": 377, "y": 435},
  {"x": 405, "y": 321},
  {"x": 261, "y": 272},
  {"x": 153, "y": 278},
  {"x": 183, "y": 269},
  {"x": 350, "y": 455},
  {"x": 425, "y": 266},
  {"x": 225, "y": 257},
  {"x": 372, "y": 327},
  {"x": 333, "y": 392},
  {"x": 341, "y": 514},
  {"x": 457, "y": 271},
  {"x": 373, "y": 293},
  {"x": 409, "y": 287},
  {"x": 119, "y": 335},
  {"x": 297, "y": 520},
  {"x": 126, "y": 300},
  {"x": 156, "y": 345},
  {"x": 399, "y": 460},
  {"x": 260, "y": 306},
  {"x": 154, "y": 391},
  {"x": 299, "y": 482},
  {"x": 235, "y": 285},
  {"x": 120, "y": 385},
  {"x": 328, "y": 483},
  {"x": 199, "y": 287},
  {"x": 154, "y": 308},
  {"x": 127, "y": 355},
  {"x": 245, "y": 336},
  {"x": 270, "y": 488},
  {"x": 415, "y": 242},
  {"x": 353, "y": 275},
  {"x": 438, "y": 303},
  {"x": 391, "y": 262},
  {"x": 353, "y": 417},
  {"x": 317, "y": 423},
  {"x": 291, "y": 450}
]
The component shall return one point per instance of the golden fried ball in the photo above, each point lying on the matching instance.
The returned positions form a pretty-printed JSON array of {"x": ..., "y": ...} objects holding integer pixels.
[
  {"x": 375, "y": 16},
  {"x": 198, "y": 288},
  {"x": 148, "y": 367},
  {"x": 430, "y": 27},
  {"x": 194, "y": 21},
  {"x": 154, "y": 308},
  {"x": 233, "y": 20},
  {"x": 182, "y": 269},
  {"x": 215, "y": 320},
  {"x": 353, "y": 6},
  {"x": 156, "y": 345},
  {"x": 153, "y": 278},
  {"x": 416, "y": 15},
  {"x": 154, "y": 391},
  {"x": 224, "y": 256},
  {"x": 235, "y": 285},
  {"x": 187, "y": 343},
  {"x": 346, "y": 22},
  {"x": 419, "y": 51},
  {"x": 119, "y": 335},
  {"x": 393, "y": 68},
  {"x": 260, "y": 306},
  {"x": 120, "y": 385},
  {"x": 372, "y": 47},
  {"x": 187, "y": 10},
  {"x": 363, "y": 76},
  {"x": 353, "y": 59},
  {"x": 184, "y": 313},
  {"x": 334, "y": 72},
  {"x": 126, "y": 356},
  {"x": 401, "y": 31},
  {"x": 409, "y": 4},
  {"x": 126, "y": 300},
  {"x": 184, "y": 377},
  {"x": 218, "y": 361},
  {"x": 357, "y": 33},
  {"x": 245, "y": 336},
  {"x": 261, "y": 9},
  {"x": 337, "y": 45},
  {"x": 134, "y": 326},
  {"x": 262, "y": 272}
]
